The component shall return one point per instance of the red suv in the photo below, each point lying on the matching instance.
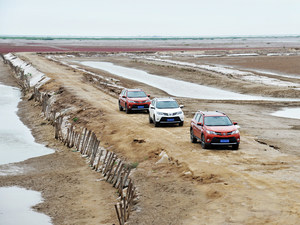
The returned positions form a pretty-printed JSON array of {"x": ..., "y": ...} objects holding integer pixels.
[
  {"x": 133, "y": 99},
  {"x": 214, "y": 128}
]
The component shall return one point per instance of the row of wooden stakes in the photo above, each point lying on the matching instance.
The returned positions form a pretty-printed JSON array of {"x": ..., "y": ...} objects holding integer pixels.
[
  {"x": 85, "y": 141},
  {"x": 114, "y": 170}
]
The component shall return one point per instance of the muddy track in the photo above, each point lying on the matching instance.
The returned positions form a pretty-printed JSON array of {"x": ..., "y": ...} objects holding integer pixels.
[{"x": 255, "y": 185}]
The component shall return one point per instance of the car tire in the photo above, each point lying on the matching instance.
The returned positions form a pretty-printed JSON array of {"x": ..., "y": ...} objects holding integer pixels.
[
  {"x": 204, "y": 145},
  {"x": 156, "y": 124},
  {"x": 235, "y": 147},
  {"x": 120, "y": 107},
  {"x": 126, "y": 109},
  {"x": 181, "y": 124},
  {"x": 193, "y": 138},
  {"x": 150, "y": 120}
]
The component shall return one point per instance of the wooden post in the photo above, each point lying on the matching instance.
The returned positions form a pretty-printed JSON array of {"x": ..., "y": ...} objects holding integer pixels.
[
  {"x": 118, "y": 176},
  {"x": 118, "y": 215},
  {"x": 115, "y": 171},
  {"x": 80, "y": 146},
  {"x": 86, "y": 140},
  {"x": 99, "y": 160},
  {"x": 102, "y": 166}
]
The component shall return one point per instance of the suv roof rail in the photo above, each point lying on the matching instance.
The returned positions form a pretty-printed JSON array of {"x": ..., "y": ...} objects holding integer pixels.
[
  {"x": 220, "y": 112},
  {"x": 204, "y": 113}
]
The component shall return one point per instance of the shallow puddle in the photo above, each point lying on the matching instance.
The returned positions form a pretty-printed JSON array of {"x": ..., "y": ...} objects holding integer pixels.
[
  {"x": 293, "y": 113},
  {"x": 176, "y": 87},
  {"x": 15, "y": 207},
  {"x": 16, "y": 142}
]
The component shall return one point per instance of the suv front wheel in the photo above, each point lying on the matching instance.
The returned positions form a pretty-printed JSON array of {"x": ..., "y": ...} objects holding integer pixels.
[
  {"x": 156, "y": 124},
  {"x": 235, "y": 147},
  {"x": 150, "y": 120},
  {"x": 204, "y": 145},
  {"x": 126, "y": 109},
  {"x": 193, "y": 138},
  {"x": 120, "y": 107}
]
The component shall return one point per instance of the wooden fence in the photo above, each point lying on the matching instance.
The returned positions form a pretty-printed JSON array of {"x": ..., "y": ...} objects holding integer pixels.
[
  {"x": 85, "y": 141},
  {"x": 113, "y": 169}
]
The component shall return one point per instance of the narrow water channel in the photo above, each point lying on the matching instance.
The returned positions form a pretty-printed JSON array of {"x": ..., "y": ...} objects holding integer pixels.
[
  {"x": 17, "y": 144},
  {"x": 175, "y": 87},
  {"x": 293, "y": 113},
  {"x": 15, "y": 207}
]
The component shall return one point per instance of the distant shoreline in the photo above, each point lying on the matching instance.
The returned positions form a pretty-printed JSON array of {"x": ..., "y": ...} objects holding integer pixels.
[{"x": 152, "y": 38}]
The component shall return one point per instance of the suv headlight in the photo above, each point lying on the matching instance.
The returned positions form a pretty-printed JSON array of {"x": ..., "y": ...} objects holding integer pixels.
[
  {"x": 130, "y": 101},
  {"x": 211, "y": 132},
  {"x": 160, "y": 113},
  {"x": 180, "y": 112},
  {"x": 147, "y": 101},
  {"x": 235, "y": 132}
]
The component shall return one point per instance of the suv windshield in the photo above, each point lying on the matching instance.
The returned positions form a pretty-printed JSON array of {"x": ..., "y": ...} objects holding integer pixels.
[
  {"x": 136, "y": 94},
  {"x": 217, "y": 121},
  {"x": 166, "y": 105}
]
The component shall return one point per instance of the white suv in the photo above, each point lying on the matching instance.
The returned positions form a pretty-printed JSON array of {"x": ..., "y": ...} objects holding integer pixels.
[{"x": 165, "y": 110}]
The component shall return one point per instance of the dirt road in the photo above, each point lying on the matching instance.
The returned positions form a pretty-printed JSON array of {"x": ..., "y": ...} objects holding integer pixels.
[{"x": 256, "y": 185}]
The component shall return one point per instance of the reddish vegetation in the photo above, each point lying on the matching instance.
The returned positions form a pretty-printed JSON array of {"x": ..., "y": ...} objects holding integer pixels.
[{"x": 5, "y": 48}]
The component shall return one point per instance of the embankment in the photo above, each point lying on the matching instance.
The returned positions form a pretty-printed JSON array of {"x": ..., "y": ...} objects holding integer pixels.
[{"x": 75, "y": 137}]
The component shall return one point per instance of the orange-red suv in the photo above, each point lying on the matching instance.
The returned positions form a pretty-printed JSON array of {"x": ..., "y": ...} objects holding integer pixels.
[
  {"x": 214, "y": 128},
  {"x": 133, "y": 99}
]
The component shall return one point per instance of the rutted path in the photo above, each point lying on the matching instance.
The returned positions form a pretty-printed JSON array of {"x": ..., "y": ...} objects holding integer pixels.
[{"x": 255, "y": 185}]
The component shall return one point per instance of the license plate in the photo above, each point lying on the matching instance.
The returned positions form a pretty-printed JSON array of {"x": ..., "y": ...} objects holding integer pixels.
[
  {"x": 140, "y": 106},
  {"x": 224, "y": 140},
  {"x": 169, "y": 120}
]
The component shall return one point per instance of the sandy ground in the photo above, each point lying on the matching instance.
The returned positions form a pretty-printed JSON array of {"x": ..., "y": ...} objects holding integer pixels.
[{"x": 258, "y": 184}]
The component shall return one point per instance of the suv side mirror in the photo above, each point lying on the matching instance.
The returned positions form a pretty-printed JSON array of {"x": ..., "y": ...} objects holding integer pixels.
[
  {"x": 181, "y": 106},
  {"x": 152, "y": 107},
  {"x": 199, "y": 124},
  {"x": 235, "y": 123},
  {"x": 123, "y": 96},
  {"x": 148, "y": 96}
]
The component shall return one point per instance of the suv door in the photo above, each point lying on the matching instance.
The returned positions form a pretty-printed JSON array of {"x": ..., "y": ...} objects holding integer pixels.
[
  {"x": 123, "y": 100},
  {"x": 197, "y": 128}
]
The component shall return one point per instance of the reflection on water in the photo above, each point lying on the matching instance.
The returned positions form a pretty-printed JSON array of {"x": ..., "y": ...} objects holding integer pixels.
[
  {"x": 176, "y": 87},
  {"x": 16, "y": 142},
  {"x": 293, "y": 113},
  {"x": 15, "y": 207}
]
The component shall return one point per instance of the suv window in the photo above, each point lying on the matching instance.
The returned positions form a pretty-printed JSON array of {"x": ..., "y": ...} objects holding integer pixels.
[
  {"x": 153, "y": 103},
  {"x": 167, "y": 105},
  {"x": 217, "y": 121},
  {"x": 136, "y": 94},
  {"x": 197, "y": 117},
  {"x": 200, "y": 119}
]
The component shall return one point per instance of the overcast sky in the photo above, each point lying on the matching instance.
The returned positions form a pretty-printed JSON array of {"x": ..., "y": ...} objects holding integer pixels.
[{"x": 148, "y": 18}]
